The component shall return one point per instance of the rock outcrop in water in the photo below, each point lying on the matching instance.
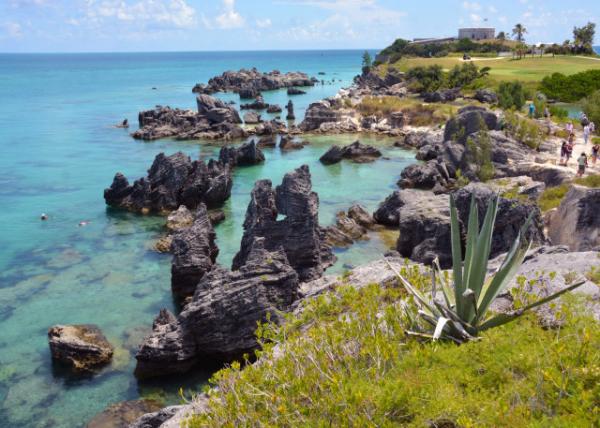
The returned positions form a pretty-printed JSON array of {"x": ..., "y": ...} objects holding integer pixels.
[
  {"x": 297, "y": 231},
  {"x": 317, "y": 114},
  {"x": 244, "y": 155},
  {"x": 220, "y": 321},
  {"x": 172, "y": 181},
  {"x": 82, "y": 347},
  {"x": 250, "y": 83},
  {"x": 349, "y": 227},
  {"x": 194, "y": 254},
  {"x": 213, "y": 120},
  {"x": 356, "y": 152}
]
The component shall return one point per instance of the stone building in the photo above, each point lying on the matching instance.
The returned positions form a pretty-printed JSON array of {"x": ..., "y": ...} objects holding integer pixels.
[{"x": 477, "y": 33}]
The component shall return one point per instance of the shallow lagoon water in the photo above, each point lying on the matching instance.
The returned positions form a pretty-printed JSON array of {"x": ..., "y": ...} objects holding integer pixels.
[{"x": 59, "y": 151}]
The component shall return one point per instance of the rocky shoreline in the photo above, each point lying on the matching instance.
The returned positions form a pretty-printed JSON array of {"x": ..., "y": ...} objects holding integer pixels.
[{"x": 284, "y": 251}]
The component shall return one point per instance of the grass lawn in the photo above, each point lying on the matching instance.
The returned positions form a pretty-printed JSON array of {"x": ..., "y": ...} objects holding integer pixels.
[{"x": 526, "y": 69}]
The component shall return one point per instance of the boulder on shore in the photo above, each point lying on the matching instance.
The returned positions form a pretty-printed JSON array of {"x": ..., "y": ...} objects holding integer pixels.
[
  {"x": 356, "y": 152},
  {"x": 576, "y": 223},
  {"x": 81, "y": 346},
  {"x": 220, "y": 321},
  {"x": 172, "y": 181},
  {"x": 469, "y": 120},
  {"x": 121, "y": 415},
  {"x": 387, "y": 212},
  {"x": 194, "y": 254},
  {"x": 298, "y": 232},
  {"x": 251, "y": 118}
]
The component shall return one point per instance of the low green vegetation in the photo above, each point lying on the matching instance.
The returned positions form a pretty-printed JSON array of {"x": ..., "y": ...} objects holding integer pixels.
[
  {"x": 594, "y": 275},
  {"x": 345, "y": 361},
  {"x": 479, "y": 152},
  {"x": 571, "y": 88},
  {"x": 551, "y": 197},
  {"x": 591, "y": 180},
  {"x": 433, "y": 78},
  {"x": 591, "y": 106},
  {"x": 522, "y": 129},
  {"x": 557, "y": 112},
  {"x": 511, "y": 95},
  {"x": 417, "y": 113}
]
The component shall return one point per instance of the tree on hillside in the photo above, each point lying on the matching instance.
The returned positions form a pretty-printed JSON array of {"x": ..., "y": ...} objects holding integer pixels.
[
  {"x": 519, "y": 32},
  {"x": 367, "y": 62},
  {"x": 583, "y": 37}
]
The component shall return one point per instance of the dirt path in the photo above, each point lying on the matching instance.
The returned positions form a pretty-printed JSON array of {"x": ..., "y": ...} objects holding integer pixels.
[{"x": 578, "y": 148}]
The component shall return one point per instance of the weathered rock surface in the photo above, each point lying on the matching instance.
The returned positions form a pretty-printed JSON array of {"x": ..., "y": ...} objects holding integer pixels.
[
  {"x": 442, "y": 96},
  {"x": 214, "y": 120},
  {"x": 244, "y": 155},
  {"x": 470, "y": 120},
  {"x": 274, "y": 108},
  {"x": 356, "y": 152},
  {"x": 298, "y": 233},
  {"x": 548, "y": 270},
  {"x": 287, "y": 142},
  {"x": 424, "y": 176},
  {"x": 359, "y": 214},
  {"x": 486, "y": 96},
  {"x": 576, "y": 223},
  {"x": 253, "y": 80},
  {"x": 180, "y": 219},
  {"x": 258, "y": 104},
  {"x": 349, "y": 227},
  {"x": 290, "y": 111},
  {"x": 121, "y": 415},
  {"x": 424, "y": 222},
  {"x": 194, "y": 254},
  {"x": 220, "y": 321},
  {"x": 81, "y": 346},
  {"x": 252, "y": 118},
  {"x": 387, "y": 212},
  {"x": 317, "y": 114},
  {"x": 173, "y": 416},
  {"x": 267, "y": 141},
  {"x": 172, "y": 181}
]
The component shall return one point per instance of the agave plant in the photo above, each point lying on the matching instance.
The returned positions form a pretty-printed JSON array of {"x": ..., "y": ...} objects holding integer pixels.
[{"x": 464, "y": 314}]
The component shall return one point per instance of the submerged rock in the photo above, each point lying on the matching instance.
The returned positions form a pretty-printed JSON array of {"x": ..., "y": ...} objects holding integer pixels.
[
  {"x": 172, "y": 181},
  {"x": 356, "y": 152},
  {"x": 287, "y": 142},
  {"x": 194, "y": 254},
  {"x": 298, "y": 232},
  {"x": 121, "y": 415},
  {"x": 220, "y": 321},
  {"x": 81, "y": 346},
  {"x": 576, "y": 222}
]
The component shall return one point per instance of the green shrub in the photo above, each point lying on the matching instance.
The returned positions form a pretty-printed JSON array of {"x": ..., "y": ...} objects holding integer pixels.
[
  {"x": 345, "y": 361},
  {"x": 479, "y": 152},
  {"x": 552, "y": 197},
  {"x": 463, "y": 75},
  {"x": 511, "y": 95},
  {"x": 591, "y": 107},
  {"x": 523, "y": 129},
  {"x": 571, "y": 88},
  {"x": 428, "y": 79},
  {"x": 559, "y": 112},
  {"x": 540, "y": 102}
]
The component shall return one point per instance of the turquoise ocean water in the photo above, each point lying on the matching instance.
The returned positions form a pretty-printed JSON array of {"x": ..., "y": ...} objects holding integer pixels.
[{"x": 59, "y": 151}]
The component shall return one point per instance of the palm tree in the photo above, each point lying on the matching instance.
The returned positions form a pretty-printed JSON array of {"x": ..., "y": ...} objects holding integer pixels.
[
  {"x": 542, "y": 49},
  {"x": 519, "y": 31}
]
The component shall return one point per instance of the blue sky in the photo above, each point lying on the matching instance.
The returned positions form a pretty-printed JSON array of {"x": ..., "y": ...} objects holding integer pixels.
[{"x": 171, "y": 25}]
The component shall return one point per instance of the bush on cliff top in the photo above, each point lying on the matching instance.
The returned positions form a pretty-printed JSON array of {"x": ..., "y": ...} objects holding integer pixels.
[
  {"x": 417, "y": 113},
  {"x": 346, "y": 362}
]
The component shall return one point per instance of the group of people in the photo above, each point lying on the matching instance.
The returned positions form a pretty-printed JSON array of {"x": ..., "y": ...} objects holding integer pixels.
[{"x": 566, "y": 150}]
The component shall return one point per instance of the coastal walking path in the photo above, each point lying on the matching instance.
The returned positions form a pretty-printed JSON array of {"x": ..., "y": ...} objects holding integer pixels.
[{"x": 578, "y": 148}]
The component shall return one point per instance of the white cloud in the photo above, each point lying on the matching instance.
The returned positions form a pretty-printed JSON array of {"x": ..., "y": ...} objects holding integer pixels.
[
  {"x": 475, "y": 19},
  {"x": 263, "y": 23},
  {"x": 168, "y": 14},
  {"x": 230, "y": 18},
  {"x": 471, "y": 6},
  {"x": 11, "y": 30}
]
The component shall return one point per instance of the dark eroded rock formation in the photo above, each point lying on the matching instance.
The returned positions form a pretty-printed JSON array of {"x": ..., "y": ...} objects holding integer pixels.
[
  {"x": 220, "y": 321},
  {"x": 287, "y": 217},
  {"x": 247, "y": 154},
  {"x": 194, "y": 254},
  {"x": 356, "y": 152},
  {"x": 172, "y": 181}
]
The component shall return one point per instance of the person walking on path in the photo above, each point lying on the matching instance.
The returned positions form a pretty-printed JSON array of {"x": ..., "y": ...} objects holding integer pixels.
[
  {"x": 595, "y": 151},
  {"x": 569, "y": 151},
  {"x": 569, "y": 128},
  {"x": 563, "y": 153},
  {"x": 531, "y": 110},
  {"x": 586, "y": 133},
  {"x": 582, "y": 163},
  {"x": 584, "y": 120}
]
